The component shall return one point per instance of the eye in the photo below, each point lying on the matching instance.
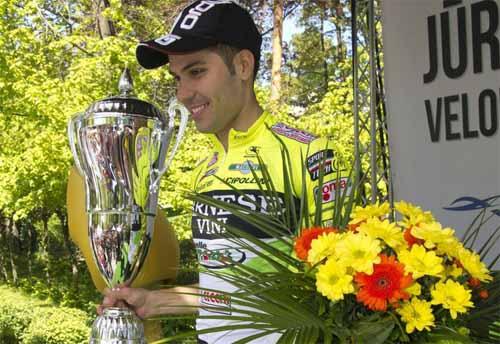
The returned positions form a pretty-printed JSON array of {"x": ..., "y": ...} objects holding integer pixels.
[
  {"x": 177, "y": 78},
  {"x": 195, "y": 72}
]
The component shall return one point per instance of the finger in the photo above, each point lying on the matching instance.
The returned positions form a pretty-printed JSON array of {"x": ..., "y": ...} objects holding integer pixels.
[
  {"x": 109, "y": 301},
  {"x": 121, "y": 304}
]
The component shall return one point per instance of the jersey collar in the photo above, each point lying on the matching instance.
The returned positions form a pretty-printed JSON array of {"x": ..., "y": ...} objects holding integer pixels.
[{"x": 239, "y": 138}]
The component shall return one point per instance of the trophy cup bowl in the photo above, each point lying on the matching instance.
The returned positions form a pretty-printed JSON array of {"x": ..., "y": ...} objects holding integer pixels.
[{"x": 120, "y": 146}]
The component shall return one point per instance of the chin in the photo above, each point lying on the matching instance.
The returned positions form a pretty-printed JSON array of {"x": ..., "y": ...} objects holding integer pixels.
[{"x": 203, "y": 129}]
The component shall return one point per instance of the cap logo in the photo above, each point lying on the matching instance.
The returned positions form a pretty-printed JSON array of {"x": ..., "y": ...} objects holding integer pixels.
[
  {"x": 189, "y": 20},
  {"x": 167, "y": 39}
]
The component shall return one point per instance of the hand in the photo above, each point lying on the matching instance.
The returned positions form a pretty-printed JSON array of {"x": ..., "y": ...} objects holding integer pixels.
[
  {"x": 133, "y": 298},
  {"x": 147, "y": 303}
]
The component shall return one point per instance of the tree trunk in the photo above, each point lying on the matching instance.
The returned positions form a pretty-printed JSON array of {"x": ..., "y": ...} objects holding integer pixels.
[
  {"x": 29, "y": 250},
  {"x": 70, "y": 249},
  {"x": 339, "y": 15},
  {"x": 8, "y": 241},
  {"x": 323, "y": 50},
  {"x": 277, "y": 50},
  {"x": 3, "y": 263},
  {"x": 45, "y": 247},
  {"x": 104, "y": 26}
]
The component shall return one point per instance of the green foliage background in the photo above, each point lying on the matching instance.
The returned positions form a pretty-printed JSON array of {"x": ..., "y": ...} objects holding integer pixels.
[{"x": 54, "y": 62}]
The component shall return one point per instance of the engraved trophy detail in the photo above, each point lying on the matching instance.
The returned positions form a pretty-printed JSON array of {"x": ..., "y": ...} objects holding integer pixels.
[{"x": 121, "y": 147}]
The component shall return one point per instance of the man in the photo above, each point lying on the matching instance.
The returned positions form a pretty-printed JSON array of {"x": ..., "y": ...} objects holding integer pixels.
[{"x": 213, "y": 52}]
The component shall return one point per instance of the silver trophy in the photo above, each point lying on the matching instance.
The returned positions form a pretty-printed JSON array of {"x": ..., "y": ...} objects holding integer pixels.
[{"x": 120, "y": 146}]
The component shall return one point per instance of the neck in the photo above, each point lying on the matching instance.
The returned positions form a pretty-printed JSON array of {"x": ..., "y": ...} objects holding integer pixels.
[{"x": 245, "y": 119}]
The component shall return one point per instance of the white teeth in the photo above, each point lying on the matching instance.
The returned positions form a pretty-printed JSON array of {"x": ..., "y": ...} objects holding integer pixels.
[{"x": 198, "y": 108}]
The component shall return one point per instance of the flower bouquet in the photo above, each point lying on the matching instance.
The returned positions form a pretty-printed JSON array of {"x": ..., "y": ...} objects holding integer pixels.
[
  {"x": 412, "y": 276},
  {"x": 367, "y": 277}
]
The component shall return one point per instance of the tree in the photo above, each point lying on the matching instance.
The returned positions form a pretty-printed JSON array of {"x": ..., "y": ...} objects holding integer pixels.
[{"x": 277, "y": 50}]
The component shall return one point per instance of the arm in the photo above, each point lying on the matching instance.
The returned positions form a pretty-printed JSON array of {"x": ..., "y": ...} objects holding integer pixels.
[{"x": 150, "y": 303}]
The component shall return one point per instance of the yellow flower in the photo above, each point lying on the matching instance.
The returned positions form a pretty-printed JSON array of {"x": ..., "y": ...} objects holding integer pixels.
[
  {"x": 472, "y": 263},
  {"x": 359, "y": 251},
  {"x": 417, "y": 314},
  {"x": 323, "y": 246},
  {"x": 333, "y": 281},
  {"x": 421, "y": 262},
  {"x": 451, "y": 248},
  {"x": 451, "y": 271},
  {"x": 407, "y": 209},
  {"x": 360, "y": 214},
  {"x": 414, "y": 289},
  {"x": 415, "y": 220},
  {"x": 413, "y": 215},
  {"x": 384, "y": 230},
  {"x": 452, "y": 296},
  {"x": 432, "y": 234}
]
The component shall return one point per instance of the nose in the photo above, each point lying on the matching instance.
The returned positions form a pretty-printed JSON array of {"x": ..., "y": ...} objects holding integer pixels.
[{"x": 184, "y": 92}]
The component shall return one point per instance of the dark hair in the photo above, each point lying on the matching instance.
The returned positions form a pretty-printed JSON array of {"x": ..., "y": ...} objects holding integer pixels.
[{"x": 227, "y": 53}]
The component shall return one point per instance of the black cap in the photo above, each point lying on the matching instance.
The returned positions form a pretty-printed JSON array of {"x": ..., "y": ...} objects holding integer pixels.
[{"x": 200, "y": 25}]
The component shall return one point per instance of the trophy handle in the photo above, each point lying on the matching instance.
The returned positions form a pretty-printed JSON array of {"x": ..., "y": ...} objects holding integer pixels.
[
  {"x": 74, "y": 124},
  {"x": 173, "y": 107}
]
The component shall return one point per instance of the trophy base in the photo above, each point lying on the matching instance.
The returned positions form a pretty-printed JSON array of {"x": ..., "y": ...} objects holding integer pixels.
[{"x": 117, "y": 326}]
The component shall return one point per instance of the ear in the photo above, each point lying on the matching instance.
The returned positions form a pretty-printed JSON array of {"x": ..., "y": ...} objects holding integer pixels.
[{"x": 244, "y": 64}]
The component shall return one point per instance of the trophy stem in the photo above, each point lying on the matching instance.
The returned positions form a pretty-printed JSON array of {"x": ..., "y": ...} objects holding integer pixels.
[{"x": 117, "y": 326}]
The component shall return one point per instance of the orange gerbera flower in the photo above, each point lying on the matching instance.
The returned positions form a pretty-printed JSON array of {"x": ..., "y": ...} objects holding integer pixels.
[
  {"x": 353, "y": 227},
  {"x": 303, "y": 242},
  {"x": 385, "y": 284},
  {"x": 410, "y": 239}
]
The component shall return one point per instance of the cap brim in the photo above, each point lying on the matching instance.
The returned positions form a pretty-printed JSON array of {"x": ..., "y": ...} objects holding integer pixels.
[{"x": 152, "y": 54}]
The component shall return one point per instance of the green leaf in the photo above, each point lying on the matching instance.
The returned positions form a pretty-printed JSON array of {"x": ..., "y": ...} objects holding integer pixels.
[{"x": 374, "y": 330}]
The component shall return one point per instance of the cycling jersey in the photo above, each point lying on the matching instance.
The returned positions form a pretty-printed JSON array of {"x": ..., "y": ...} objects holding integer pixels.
[{"x": 221, "y": 171}]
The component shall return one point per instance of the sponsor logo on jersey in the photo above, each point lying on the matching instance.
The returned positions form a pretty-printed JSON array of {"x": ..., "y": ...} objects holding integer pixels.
[
  {"x": 209, "y": 173},
  {"x": 218, "y": 258},
  {"x": 214, "y": 159},
  {"x": 293, "y": 133},
  {"x": 244, "y": 180},
  {"x": 252, "y": 152},
  {"x": 322, "y": 158},
  {"x": 210, "y": 222},
  {"x": 330, "y": 188},
  {"x": 245, "y": 167},
  {"x": 203, "y": 186},
  {"x": 219, "y": 300}
]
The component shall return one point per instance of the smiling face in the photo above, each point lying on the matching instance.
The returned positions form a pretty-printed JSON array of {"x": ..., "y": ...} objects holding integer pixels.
[{"x": 216, "y": 98}]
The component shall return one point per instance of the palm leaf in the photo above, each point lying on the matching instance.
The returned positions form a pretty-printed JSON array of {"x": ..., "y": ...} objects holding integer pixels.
[
  {"x": 484, "y": 318},
  {"x": 283, "y": 298}
]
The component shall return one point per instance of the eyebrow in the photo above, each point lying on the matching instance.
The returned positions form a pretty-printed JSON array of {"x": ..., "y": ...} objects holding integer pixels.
[{"x": 189, "y": 66}]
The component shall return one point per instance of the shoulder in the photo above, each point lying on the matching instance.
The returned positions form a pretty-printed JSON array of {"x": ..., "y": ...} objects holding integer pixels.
[
  {"x": 288, "y": 132},
  {"x": 298, "y": 139},
  {"x": 304, "y": 146}
]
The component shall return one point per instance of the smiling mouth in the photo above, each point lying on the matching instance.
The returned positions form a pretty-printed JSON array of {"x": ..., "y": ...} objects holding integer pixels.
[{"x": 196, "y": 110}]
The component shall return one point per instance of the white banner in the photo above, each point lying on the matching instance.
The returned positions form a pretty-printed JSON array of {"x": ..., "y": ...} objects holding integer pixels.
[{"x": 442, "y": 78}]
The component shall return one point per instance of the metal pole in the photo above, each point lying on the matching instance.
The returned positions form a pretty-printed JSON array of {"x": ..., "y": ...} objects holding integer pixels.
[
  {"x": 354, "y": 44},
  {"x": 373, "y": 101}
]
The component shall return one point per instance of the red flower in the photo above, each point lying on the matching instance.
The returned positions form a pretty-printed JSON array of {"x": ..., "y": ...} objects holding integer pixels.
[
  {"x": 303, "y": 242},
  {"x": 385, "y": 284},
  {"x": 474, "y": 282},
  {"x": 410, "y": 239},
  {"x": 483, "y": 294}
]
